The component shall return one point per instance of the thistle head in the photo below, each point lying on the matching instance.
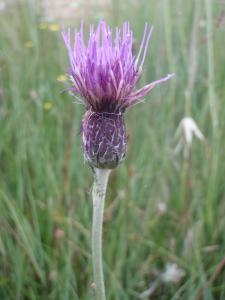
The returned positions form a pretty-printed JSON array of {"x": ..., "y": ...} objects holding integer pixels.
[
  {"x": 104, "y": 73},
  {"x": 104, "y": 139}
]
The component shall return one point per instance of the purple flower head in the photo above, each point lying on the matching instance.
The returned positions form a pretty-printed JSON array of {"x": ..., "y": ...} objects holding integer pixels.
[{"x": 104, "y": 73}]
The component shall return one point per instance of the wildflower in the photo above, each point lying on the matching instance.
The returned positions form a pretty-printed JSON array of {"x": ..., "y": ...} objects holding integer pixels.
[
  {"x": 28, "y": 44},
  {"x": 172, "y": 274},
  {"x": 34, "y": 94},
  {"x": 188, "y": 128},
  {"x": 53, "y": 27},
  {"x": 62, "y": 78},
  {"x": 104, "y": 73},
  {"x": 161, "y": 208},
  {"x": 59, "y": 234},
  {"x": 47, "y": 105},
  {"x": 43, "y": 26}
]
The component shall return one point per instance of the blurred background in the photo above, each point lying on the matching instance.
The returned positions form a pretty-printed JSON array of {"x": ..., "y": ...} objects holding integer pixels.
[{"x": 164, "y": 222}]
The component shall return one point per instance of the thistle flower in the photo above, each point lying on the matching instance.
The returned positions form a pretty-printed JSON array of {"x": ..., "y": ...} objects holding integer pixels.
[{"x": 104, "y": 73}]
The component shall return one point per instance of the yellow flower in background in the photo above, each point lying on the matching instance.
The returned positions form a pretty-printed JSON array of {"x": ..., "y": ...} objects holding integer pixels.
[
  {"x": 28, "y": 44},
  {"x": 53, "y": 27},
  {"x": 47, "y": 105},
  {"x": 43, "y": 26},
  {"x": 62, "y": 77}
]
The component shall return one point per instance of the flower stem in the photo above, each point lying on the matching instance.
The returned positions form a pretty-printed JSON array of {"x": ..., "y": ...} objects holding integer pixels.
[{"x": 98, "y": 194}]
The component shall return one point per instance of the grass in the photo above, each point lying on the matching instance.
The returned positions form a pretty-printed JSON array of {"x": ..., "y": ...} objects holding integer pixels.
[{"x": 45, "y": 201}]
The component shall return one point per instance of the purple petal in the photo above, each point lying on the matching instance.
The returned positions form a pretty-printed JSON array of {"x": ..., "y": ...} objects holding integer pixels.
[
  {"x": 104, "y": 71},
  {"x": 136, "y": 96}
]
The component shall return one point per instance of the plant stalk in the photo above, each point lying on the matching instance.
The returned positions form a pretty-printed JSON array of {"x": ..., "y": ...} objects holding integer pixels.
[{"x": 98, "y": 195}]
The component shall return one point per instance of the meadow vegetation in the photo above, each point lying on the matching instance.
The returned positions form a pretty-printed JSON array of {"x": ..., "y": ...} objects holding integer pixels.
[{"x": 165, "y": 209}]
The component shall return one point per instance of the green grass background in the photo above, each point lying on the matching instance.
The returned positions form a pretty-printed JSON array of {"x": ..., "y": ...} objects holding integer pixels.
[{"x": 45, "y": 201}]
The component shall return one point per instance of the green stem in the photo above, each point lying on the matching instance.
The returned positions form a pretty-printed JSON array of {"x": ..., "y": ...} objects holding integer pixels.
[{"x": 98, "y": 194}]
